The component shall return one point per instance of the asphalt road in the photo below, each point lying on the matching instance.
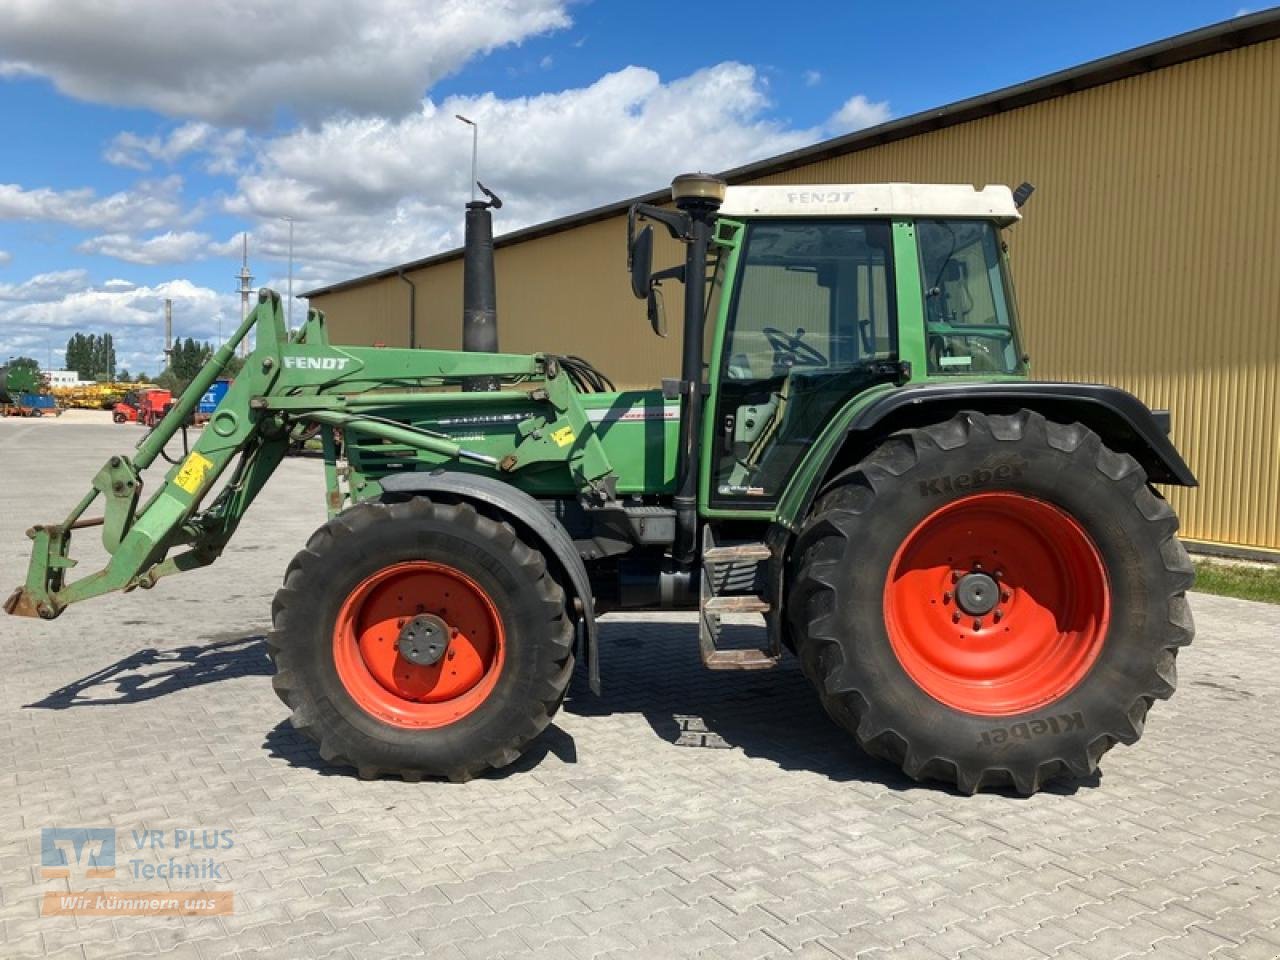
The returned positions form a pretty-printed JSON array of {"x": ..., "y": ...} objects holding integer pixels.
[{"x": 683, "y": 814}]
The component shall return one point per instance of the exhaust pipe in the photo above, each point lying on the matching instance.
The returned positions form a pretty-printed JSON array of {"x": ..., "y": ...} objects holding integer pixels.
[{"x": 479, "y": 291}]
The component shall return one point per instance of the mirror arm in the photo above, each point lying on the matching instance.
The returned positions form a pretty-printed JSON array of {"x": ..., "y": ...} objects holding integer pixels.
[
  {"x": 677, "y": 223},
  {"x": 671, "y": 273}
]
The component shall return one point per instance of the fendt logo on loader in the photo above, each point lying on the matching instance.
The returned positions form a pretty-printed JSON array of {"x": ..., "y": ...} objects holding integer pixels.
[
  {"x": 316, "y": 363},
  {"x": 973, "y": 480}
]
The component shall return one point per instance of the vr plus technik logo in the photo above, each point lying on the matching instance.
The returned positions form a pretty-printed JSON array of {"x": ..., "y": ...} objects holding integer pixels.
[
  {"x": 88, "y": 851},
  {"x": 79, "y": 854}
]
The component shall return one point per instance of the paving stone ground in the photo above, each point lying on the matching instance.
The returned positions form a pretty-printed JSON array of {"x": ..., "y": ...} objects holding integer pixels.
[{"x": 683, "y": 814}]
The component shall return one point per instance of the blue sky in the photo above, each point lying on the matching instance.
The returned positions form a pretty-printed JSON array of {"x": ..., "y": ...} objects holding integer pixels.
[{"x": 148, "y": 142}]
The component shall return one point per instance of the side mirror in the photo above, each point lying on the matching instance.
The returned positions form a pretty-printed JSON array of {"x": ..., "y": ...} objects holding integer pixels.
[
  {"x": 640, "y": 262},
  {"x": 657, "y": 313}
]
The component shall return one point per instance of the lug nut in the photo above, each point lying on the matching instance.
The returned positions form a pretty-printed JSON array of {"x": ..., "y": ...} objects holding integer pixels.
[
  {"x": 977, "y": 624},
  {"x": 946, "y": 597},
  {"x": 955, "y": 617},
  {"x": 999, "y": 615},
  {"x": 1004, "y": 596}
]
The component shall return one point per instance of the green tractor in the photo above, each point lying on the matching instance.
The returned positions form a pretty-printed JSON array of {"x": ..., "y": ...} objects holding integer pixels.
[{"x": 972, "y": 567}]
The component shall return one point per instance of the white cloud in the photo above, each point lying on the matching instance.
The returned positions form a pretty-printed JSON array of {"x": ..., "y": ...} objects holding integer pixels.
[
  {"x": 859, "y": 112},
  {"x": 153, "y": 204},
  {"x": 370, "y": 191},
  {"x": 168, "y": 247},
  {"x": 45, "y": 287},
  {"x": 812, "y": 78},
  {"x": 133, "y": 315},
  {"x": 5, "y": 257},
  {"x": 241, "y": 61},
  {"x": 222, "y": 148}
]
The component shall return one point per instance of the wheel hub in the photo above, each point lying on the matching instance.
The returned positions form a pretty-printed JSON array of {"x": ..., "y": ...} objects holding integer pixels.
[
  {"x": 419, "y": 644},
  {"x": 423, "y": 640},
  {"x": 997, "y": 603},
  {"x": 977, "y": 593}
]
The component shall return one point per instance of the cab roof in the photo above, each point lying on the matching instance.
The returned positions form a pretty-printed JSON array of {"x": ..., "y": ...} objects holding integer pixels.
[{"x": 872, "y": 200}]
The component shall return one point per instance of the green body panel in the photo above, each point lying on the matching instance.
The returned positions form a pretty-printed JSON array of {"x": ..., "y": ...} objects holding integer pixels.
[{"x": 636, "y": 429}]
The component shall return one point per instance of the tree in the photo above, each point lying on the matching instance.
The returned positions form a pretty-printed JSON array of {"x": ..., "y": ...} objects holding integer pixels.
[
  {"x": 92, "y": 356},
  {"x": 29, "y": 362},
  {"x": 188, "y": 357},
  {"x": 123, "y": 375}
]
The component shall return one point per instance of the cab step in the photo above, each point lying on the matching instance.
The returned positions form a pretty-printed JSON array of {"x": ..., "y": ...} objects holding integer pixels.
[
  {"x": 736, "y": 605},
  {"x": 739, "y": 551},
  {"x": 749, "y": 659},
  {"x": 733, "y": 579}
]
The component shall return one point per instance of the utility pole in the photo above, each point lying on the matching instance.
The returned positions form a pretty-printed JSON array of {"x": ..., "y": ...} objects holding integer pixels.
[
  {"x": 168, "y": 333},
  {"x": 246, "y": 287},
  {"x": 475, "y": 148},
  {"x": 289, "y": 220}
]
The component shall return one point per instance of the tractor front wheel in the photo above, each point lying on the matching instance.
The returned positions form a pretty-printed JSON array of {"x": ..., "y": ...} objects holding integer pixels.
[
  {"x": 990, "y": 601},
  {"x": 420, "y": 639}
]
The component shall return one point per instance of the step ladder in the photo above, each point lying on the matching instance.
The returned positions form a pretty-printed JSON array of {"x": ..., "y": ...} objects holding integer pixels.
[{"x": 733, "y": 581}]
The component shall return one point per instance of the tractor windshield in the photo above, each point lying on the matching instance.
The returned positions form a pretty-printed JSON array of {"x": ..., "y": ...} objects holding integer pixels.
[
  {"x": 812, "y": 321},
  {"x": 969, "y": 306}
]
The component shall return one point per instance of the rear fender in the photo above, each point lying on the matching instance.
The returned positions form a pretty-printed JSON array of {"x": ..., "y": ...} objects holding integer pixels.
[
  {"x": 530, "y": 517},
  {"x": 1122, "y": 420}
]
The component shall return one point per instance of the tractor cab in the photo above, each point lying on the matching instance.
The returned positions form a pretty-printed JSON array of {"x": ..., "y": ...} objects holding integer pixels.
[{"x": 823, "y": 294}]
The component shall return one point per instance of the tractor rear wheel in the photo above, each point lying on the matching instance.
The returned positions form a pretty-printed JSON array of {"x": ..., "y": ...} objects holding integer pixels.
[
  {"x": 420, "y": 639},
  {"x": 991, "y": 601}
]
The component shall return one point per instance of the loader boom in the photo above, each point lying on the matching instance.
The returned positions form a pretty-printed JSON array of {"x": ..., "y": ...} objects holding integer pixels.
[{"x": 292, "y": 379}]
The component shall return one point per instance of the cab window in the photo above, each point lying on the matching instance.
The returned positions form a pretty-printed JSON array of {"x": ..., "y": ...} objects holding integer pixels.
[{"x": 969, "y": 312}]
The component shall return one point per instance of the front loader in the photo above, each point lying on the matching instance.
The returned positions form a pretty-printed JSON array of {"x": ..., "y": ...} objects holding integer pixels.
[{"x": 972, "y": 567}]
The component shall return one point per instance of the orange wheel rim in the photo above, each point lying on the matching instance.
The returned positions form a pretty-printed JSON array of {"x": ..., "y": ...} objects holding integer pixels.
[
  {"x": 374, "y": 663},
  {"x": 997, "y": 604}
]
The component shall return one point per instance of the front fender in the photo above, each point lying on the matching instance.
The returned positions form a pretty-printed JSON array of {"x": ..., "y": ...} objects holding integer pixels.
[{"x": 526, "y": 513}]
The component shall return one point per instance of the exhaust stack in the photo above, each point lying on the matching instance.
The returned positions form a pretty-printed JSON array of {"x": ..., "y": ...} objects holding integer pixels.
[{"x": 479, "y": 292}]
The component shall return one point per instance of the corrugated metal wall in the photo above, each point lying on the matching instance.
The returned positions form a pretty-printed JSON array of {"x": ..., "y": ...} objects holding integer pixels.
[{"x": 1150, "y": 258}]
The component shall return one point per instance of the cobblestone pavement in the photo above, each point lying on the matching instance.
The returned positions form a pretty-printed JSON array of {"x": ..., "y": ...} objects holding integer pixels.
[{"x": 683, "y": 814}]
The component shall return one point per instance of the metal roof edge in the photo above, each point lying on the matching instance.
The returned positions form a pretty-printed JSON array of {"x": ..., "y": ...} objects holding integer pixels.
[{"x": 1216, "y": 38}]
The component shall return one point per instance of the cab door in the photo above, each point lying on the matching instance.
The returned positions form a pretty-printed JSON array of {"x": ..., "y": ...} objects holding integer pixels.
[{"x": 807, "y": 320}]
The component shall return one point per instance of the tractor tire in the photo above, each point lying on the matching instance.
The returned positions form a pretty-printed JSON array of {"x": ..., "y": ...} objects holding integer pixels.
[
  {"x": 118, "y": 418},
  {"x": 992, "y": 601},
  {"x": 418, "y": 639}
]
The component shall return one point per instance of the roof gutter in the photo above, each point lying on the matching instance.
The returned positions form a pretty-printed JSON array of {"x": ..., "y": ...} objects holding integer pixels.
[{"x": 413, "y": 309}]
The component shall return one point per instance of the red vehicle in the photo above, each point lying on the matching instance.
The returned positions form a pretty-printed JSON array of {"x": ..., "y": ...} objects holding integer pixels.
[{"x": 142, "y": 406}]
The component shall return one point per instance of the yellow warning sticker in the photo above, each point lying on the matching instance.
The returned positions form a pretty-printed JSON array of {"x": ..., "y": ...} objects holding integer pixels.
[
  {"x": 563, "y": 437},
  {"x": 191, "y": 473}
]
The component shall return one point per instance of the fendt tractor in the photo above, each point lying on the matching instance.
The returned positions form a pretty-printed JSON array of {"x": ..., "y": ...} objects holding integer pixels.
[{"x": 972, "y": 567}]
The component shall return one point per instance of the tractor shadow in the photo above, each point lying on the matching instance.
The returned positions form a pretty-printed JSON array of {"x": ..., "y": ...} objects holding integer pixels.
[
  {"x": 285, "y": 743},
  {"x": 654, "y": 669},
  {"x": 151, "y": 673}
]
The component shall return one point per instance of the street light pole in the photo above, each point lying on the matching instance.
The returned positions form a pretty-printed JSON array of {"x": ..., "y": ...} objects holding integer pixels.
[
  {"x": 289, "y": 220},
  {"x": 475, "y": 147}
]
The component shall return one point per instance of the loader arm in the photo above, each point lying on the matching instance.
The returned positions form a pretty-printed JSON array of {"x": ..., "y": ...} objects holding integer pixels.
[{"x": 287, "y": 380}]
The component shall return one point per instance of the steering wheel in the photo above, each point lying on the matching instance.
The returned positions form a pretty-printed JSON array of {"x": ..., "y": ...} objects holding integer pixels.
[{"x": 793, "y": 343}]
